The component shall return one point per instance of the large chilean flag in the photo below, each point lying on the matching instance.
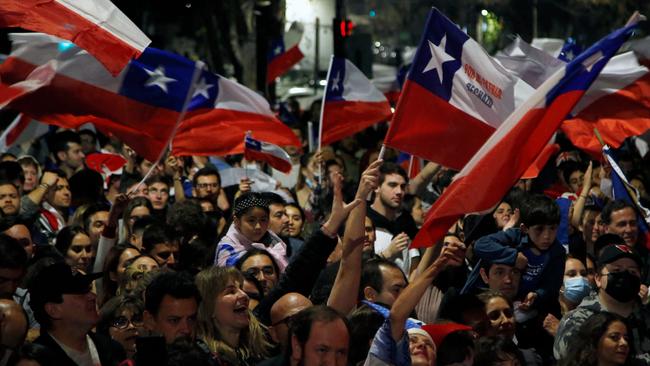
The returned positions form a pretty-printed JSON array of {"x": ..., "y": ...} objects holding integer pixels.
[
  {"x": 503, "y": 159},
  {"x": 351, "y": 102},
  {"x": 142, "y": 105},
  {"x": 454, "y": 97}
]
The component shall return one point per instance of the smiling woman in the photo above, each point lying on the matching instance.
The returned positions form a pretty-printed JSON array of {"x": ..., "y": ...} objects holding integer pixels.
[{"x": 224, "y": 322}]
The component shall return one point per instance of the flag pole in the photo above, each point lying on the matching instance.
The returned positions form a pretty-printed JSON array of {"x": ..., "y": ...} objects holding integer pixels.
[
  {"x": 248, "y": 134},
  {"x": 198, "y": 68},
  {"x": 411, "y": 160},
  {"x": 320, "y": 120}
]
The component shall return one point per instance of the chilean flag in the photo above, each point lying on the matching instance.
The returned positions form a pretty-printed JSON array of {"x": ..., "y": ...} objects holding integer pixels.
[
  {"x": 351, "y": 102},
  {"x": 284, "y": 53},
  {"x": 255, "y": 150},
  {"x": 22, "y": 129},
  {"x": 454, "y": 97},
  {"x": 621, "y": 189},
  {"x": 518, "y": 141},
  {"x": 617, "y": 104},
  {"x": 94, "y": 25},
  {"x": 411, "y": 165},
  {"x": 144, "y": 103}
]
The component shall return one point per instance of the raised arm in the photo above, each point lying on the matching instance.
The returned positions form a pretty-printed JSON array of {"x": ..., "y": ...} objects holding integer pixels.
[
  {"x": 346, "y": 286},
  {"x": 580, "y": 202},
  {"x": 424, "y": 176},
  {"x": 451, "y": 255}
]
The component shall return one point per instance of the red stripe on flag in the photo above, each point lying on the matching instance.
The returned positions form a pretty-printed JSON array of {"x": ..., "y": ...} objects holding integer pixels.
[
  {"x": 53, "y": 18},
  {"x": 617, "y": 116},
  {"x": 429, "y": 127},
  {"x": 499, "y": 168},
  {"x": 15, "y": 132},
  {"x": 221, "y": 132},
  {"x": 539, "y": 163},
  {"x": 342, "y": 118},
  {"x": 282, "y": 63}
]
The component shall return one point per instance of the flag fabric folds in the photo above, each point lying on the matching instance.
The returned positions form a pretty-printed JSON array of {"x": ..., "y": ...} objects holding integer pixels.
[
  {"x": 22, "y": 129},
  {"x": 274, "y": 155},
  {"x": 143, "y": 104},
  {"x": 617, "y": 104},
  {"x": 621, "y": 189},
  {"x": 351, "y": 102},
  {"x": 97, "y": 26},
  {"x": 519, "y": 140},
  {"x": 454, "y": 97},
  {"x": 284, "y": 53}
]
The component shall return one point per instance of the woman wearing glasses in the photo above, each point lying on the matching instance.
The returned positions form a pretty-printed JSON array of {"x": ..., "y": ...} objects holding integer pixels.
[
  {"x": 121, "y": 319},
  {"x": 75, "y": 246}
]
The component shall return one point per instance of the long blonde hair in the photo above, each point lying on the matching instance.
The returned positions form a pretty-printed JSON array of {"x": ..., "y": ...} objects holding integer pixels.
[{"x": 252, "y": 342}]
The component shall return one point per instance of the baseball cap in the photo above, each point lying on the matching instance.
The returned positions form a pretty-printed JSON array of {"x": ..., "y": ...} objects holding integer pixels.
[
  {"x": 614, "y": 252},
  {"x": 58, "y": 279}
]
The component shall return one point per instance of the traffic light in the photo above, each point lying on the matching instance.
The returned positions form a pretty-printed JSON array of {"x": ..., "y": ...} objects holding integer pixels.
[{"x": 346, "y": 27}]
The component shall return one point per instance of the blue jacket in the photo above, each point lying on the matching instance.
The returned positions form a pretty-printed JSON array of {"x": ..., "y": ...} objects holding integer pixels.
[{"x": 502, "y": 248}]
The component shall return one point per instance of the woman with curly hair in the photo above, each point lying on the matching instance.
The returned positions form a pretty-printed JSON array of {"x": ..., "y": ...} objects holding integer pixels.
[
  {"x": 603, "y": 340},
  {"x": 224, "y": 321}
]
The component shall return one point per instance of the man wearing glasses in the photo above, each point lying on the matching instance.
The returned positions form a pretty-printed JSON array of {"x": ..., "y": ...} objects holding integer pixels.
[
  {"x": 618, "y": 279},
  {"x": 207, "y": 184}
]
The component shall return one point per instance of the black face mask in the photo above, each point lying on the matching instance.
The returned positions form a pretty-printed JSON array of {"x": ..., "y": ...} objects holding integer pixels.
[{"x": 622, "y": 286}]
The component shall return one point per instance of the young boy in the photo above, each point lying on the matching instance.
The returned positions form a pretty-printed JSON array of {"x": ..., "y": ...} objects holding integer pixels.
[{"x": 534, "y": 249}]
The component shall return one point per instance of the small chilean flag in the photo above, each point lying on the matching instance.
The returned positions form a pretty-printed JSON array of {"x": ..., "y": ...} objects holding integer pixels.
[
  {"x": 351, "y": 103},
  {"x": 22, "y": 129},
  {"x": 97, "y": 26},
  {"x": 255, "y": 150},
  {"x": 284, "y": 53}
]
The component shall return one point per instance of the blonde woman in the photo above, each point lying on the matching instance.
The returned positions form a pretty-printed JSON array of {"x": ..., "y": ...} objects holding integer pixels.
[{"x": 225, "y": 324}]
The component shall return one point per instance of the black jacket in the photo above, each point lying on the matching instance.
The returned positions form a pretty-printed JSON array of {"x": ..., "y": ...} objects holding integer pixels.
[{"x": 110, "y": 352}]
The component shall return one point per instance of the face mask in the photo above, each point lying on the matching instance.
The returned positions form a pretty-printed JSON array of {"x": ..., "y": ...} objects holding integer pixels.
[
  {"x": 576, "y": 288},
  {"x": 622, "y": 286}
]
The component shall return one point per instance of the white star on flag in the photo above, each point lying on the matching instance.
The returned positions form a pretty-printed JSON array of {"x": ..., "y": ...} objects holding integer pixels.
[
  {"x": 591, "y": 61},
  {"x": 438, "y": 57},
  {"x": 158, "y": 78},
  {"x": 278, "y": 50},
  {"x": 202, "y": 89},
  {"x": 335, "y": 81},
  {"x": 569, "y": 55}
]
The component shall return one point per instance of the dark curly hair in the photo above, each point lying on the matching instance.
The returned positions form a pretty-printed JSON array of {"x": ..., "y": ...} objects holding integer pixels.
[{"x": 583, "y": 349}]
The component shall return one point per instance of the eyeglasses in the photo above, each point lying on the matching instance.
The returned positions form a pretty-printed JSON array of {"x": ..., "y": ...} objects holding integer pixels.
[
  {"x": 266, "y": 270},
  {"x": 207, "y": 185},
  {"x": 122, "y": 322},
  {"x": 496, "y": 314}
]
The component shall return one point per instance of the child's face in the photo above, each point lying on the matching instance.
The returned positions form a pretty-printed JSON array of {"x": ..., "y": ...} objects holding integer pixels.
[
  {"x": 253, "y": 224},
  {"x": 542, "y": 236}
]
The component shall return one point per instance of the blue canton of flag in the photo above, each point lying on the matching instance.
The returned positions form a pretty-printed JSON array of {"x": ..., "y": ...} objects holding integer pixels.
[
  {"x": 439, "y": 55},
  {"x": 252, "y": 144},
  {"x": 158, "y": 78},
  {"x": 276, "y": 48},
  {"x": 570, "y": 50},
  {"x": 335, "y": 82},
  {"x": 582, "y": 71},
  {"x": 206, "y": 91}
]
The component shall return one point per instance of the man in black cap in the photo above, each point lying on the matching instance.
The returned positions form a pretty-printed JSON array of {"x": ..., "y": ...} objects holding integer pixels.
[
  {"x": 618, "y": 279},
  {"x": 65, "y": 307}
]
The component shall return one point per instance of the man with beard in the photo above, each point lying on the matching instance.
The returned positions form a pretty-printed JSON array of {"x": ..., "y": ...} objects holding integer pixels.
[
  {"x": 65, "y": 308},
  {"x": 394, "y": 226},
  {"x": 9, "y": 199}
]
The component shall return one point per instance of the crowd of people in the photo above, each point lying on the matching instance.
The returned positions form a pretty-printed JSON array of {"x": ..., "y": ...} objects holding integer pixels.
[{"x": 110, "y": 268}]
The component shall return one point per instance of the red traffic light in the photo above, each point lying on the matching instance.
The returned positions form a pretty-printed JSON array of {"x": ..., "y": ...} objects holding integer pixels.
[{"x": 346, "y": 27}]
